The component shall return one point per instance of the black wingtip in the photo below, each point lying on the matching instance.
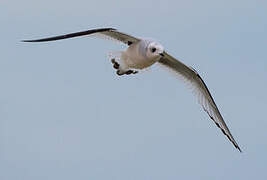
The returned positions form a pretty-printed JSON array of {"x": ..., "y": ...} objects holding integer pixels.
[
  {"x": 71, "y": 35},
  {"x": 239, "y": 149},
  {"x": 26, "y": 41}
]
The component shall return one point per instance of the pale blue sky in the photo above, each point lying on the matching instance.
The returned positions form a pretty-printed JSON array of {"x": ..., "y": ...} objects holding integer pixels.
[{"x": 65, "y": 114}]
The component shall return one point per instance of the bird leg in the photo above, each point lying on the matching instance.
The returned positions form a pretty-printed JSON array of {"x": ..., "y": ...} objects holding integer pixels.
[
  {"x": 120, "y": 72},
  {"x": 116, "y": 65},
  {"x": 131, "y": 72}
]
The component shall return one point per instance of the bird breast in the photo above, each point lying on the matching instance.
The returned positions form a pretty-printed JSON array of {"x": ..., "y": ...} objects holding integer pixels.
[{"x": 135, "y": 56}]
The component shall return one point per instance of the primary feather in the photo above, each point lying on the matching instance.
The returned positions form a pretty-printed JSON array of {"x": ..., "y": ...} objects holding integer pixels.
[{"x": 189, "y": 75}]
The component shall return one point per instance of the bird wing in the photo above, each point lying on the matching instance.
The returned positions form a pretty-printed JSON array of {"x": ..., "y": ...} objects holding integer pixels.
[
  {"x": 190, "y": 76},
  {"x": 109, "y": 32}
]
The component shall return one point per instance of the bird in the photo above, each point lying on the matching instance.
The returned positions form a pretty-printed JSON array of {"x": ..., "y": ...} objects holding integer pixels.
[{"x": 142, "y": 53}]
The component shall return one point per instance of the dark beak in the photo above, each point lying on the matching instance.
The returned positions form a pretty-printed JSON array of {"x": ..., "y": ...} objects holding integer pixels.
[{"x": 161, "y": 54}]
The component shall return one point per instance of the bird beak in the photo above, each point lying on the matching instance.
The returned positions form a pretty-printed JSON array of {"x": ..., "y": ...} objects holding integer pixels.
[{"x": 161, "y": 54}]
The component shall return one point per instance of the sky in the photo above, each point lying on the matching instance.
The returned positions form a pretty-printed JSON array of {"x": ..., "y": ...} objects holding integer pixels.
[{"x": 65, "y": 114}]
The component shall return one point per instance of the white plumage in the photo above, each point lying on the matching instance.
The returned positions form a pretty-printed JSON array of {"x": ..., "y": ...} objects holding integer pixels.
[{"x": 143, "y": 53}]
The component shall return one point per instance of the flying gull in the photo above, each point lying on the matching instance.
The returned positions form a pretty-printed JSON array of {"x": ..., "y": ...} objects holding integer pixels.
[{"x": 142, "y": 53}]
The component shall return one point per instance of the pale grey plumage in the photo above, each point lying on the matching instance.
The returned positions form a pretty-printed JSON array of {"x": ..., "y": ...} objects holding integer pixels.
[{"x": 137, "y": 56}]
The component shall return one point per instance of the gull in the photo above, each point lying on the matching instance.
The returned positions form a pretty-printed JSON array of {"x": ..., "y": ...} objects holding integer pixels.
[{"x": 141, "y": 54}]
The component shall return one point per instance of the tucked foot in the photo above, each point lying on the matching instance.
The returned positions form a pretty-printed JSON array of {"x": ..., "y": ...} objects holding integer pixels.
[
  {"x": 131, "y": 72},
  {"x": 134, "y": 72},
  {"x": 116, "y": 65},
  {"x": 120, "y": 73}
]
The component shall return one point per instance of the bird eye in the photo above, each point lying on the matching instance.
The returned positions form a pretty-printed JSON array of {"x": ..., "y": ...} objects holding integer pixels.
[{"x": 153, "y": 49}]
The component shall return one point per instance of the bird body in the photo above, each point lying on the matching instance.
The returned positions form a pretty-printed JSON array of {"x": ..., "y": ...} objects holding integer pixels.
[{"x": 136, "y": 55}]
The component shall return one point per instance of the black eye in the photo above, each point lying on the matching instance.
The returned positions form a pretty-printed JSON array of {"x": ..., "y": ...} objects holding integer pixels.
[{"x": 153, "y": 50}]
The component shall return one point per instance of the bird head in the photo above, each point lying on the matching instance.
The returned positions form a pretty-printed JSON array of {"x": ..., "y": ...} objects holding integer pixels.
[{"x": 154, "y": 50}]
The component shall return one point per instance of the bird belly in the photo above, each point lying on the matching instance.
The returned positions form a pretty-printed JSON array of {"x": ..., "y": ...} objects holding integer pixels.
[{"x": 133, "y": 58}]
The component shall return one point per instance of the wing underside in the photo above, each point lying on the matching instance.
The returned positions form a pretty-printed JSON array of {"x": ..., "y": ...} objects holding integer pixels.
[
  {"x": 193, "y": 79},
  {"x": 109, "y": 32}
]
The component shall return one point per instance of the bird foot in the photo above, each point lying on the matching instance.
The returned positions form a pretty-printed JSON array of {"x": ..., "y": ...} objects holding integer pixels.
[
  {"x": 116, "y": 65},
  {"x": 120, "y": 72}
]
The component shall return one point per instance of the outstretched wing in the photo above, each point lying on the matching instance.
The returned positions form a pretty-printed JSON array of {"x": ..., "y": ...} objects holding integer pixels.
[
  {"x": 110, "y": 32},
  {"x": 189, "y": 75}
]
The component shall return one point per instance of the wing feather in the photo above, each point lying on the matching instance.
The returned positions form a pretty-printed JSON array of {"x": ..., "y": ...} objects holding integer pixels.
[
  {"x": 190, "y": 75},
  {"x": 110, "y": 32}
]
